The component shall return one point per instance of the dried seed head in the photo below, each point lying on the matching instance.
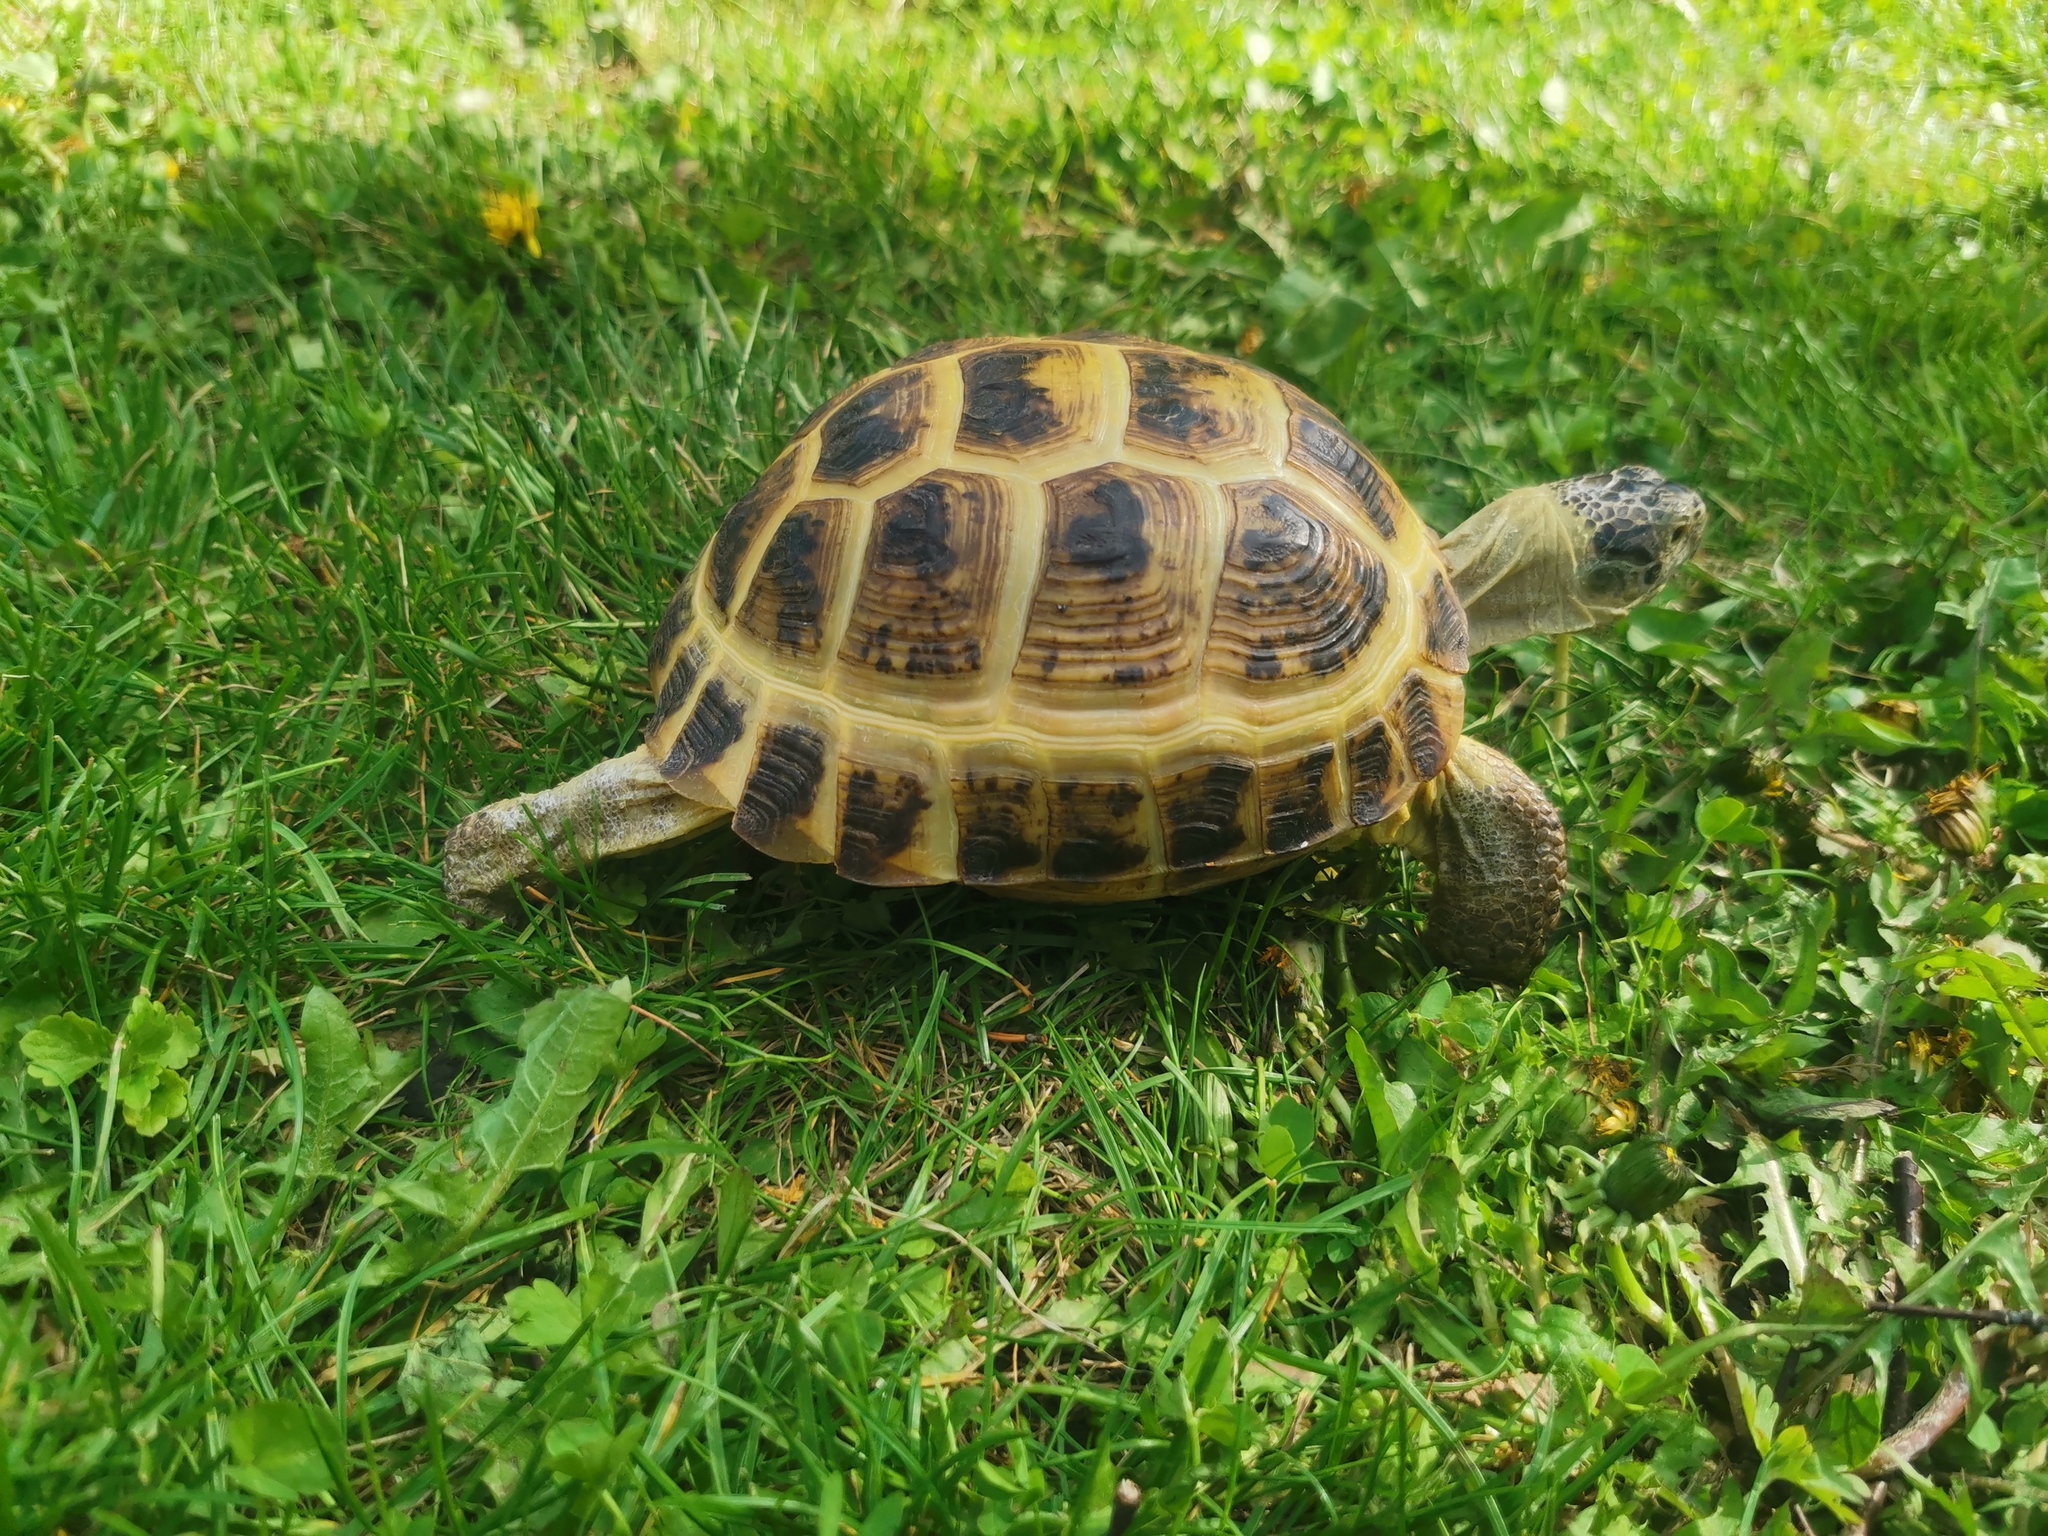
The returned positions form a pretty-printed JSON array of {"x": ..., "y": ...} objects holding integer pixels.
[{"x": 1958, "y": 815}]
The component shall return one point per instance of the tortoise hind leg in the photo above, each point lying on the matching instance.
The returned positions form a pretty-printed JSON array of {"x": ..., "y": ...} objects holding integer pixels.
[
  {"x": 1498, "y": 850},
  {"x": 622, "y": 806}
]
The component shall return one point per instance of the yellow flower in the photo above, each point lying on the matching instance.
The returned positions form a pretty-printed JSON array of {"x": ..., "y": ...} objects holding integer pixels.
[{"x": 510, "y": 216}]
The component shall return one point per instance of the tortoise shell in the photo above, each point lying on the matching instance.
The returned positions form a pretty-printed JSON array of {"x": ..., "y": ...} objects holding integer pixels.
[{"x": 1088, "y": 617}]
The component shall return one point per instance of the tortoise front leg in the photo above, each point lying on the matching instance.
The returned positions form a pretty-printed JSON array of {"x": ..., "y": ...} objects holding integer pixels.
[
  {"x": 622, "y": 806},
  {"x": 1498, "y": 849}
]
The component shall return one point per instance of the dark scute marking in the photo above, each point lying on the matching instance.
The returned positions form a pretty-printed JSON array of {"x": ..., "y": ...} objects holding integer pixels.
[
  {"x": 998, "y": 816},
  {"x": 785, "y": 606},
  {"x": 1447, "y": 639},
  {"x": 1420, "y": 729},
  {"x": 1094, "y": 833},
  {"x": 1116, "y": 597},
  {"x": 1372, "y": 774},
  {"x": 1202, "y": 809},
  {"x": 1167, "y": 401},
  {"x": 1297, "y": 595},
  {"x": 914, "y": 539},
  {"x": 1284, "y": 536},
  {"x": 873, "y": 428},
  {"x": 1003, "y": 407},
  {"x": 1110, "y": 540},
  {"x": 682, "y": 677},
  {"x": 718, "y": 721},
  {"x": 736, "y": 534},
  {"x": 1095, "y": 855},
  {"x": 878, "y": 816},
  {"x": 1298, "y": 804},
  {"x": 784, "y": 784},
  {"x": 682, "y": 608},
  {"x": 932, "y": 569},
  {"x": 1319, "y": 437}
]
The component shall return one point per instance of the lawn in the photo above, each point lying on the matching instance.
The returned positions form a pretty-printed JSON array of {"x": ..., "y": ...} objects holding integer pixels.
[{"x": 714, "y": 1195}]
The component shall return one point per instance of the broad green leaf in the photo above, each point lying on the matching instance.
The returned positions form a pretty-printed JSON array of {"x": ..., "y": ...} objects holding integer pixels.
[
  {"x": 1828, "y": 1299},
  {"x": 1794, "y": 668},
  {"x": 277, "y": 1450},
  {"x": 338, "y": 1076},
  {"x": 1372, "y": 1090},
  {"x": 1784, "y": 1224},
  {"x": 1716, "y": 986},
  {"x": 164, "y": 1101},
  {"x": 1620, "y": 816},
  {"x": 663, "y": 282},
  {"x": 500, "y": 1006},
  {"x": 155, "y": 1043},
  {"x": 1668, "y": 632},
  {"x": 153, "y": 1039},
  {"x": 541, "y": 1315},
  {"x": 1209, "y": 1366},
  {"x": 568, "y": 1040},
  {"x": 25, "y": 1005},
  {"x": 1814, "y": 926},
  {"x": 736, "y": 1196},
  {"x": 1725, "y": 819},
  {"x": 682, "y": 1175},
  {"x": 1287, "y": 1140},
  {"x": 64, "y": 1047},
  {"x": 1865, "y": 732}
]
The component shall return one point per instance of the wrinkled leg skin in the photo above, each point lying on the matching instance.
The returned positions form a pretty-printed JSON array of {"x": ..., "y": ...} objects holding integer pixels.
[
  {"x": 1498, "y": 847},
  {"x": 622, "y": 806}
]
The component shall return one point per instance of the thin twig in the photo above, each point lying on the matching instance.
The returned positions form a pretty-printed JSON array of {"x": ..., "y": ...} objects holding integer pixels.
[
  {"x": 1928, "y": 1426},
  {"x": 1983, "y": 1317}
]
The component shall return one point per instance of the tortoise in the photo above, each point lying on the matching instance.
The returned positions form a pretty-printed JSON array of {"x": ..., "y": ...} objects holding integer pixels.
[{"x": 1092, "y": 618}]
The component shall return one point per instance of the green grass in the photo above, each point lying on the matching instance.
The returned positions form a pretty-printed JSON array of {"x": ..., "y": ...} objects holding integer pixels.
[{"x": 327, "y": 519}]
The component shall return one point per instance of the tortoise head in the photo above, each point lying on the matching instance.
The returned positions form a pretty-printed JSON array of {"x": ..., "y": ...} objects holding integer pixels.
[
  {"x": 1638, "y": 529},
  {"x": 1551, "y": 559}
]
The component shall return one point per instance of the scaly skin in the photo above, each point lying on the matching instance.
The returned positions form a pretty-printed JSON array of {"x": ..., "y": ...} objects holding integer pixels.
[
  {"x": 1498, "y": 850},
  {"x": 622, "y": 806}
]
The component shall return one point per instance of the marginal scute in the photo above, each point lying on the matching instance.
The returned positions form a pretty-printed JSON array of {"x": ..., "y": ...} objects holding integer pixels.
[
  {"x": 878, "y": 426},
  {"x": 1377, "y": 779},
  {"x": 1298, "y": 795},
  {"x": 1028, "y": 399},
  {"x": 1416, "y": 706},
  {"x": 680, "y": 613},
  {"x": 1191, "y": 406},
  {"x": 677, "y": 684},
  {"x": 1319, "y": 444},
  {"x": 1000, "y": 809},
  {"x": 1446, "y": 636},
  {"x": 1209, "y": 812},
  {"x": 714, "y": 726},
  {"x": 931, "y": 575},
  {"x": 781, "y": 791},
  {"x": 785, "y": 604},
  {"x": 1299, "y": 596},
  {"x": 1099, "y": 827},
  {"x": 748, "y": 516},
  {"x": 1116, "y": 600},
  {"x": 881, "y": 820}
]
